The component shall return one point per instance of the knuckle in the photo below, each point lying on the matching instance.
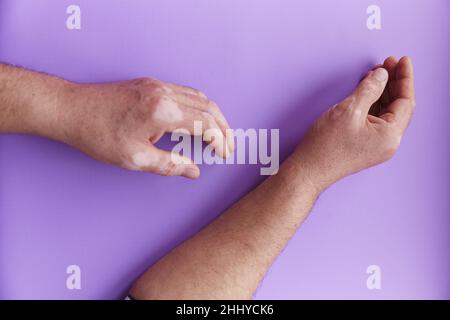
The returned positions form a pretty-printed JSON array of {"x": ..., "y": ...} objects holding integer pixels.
[
  {"x": 196, "y": 92},
  {"x": 153, "y": 97},
  {"x": 335, "y": 113},
  {"x": 340, "y": 108},
  {"x": 202, "y": 94},
  {"x": 207, "y": 117},
  {"x": 163, "y": 89},
  {"x": 157, "y": 99},
  {"x": 338, "y": 112},
  {"x": 145, "y": 81},
  {"x": 213, "y": 106}
]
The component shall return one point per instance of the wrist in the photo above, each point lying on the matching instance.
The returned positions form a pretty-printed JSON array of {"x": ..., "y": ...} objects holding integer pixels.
[
  {"x": 296, "y": 178},
  {"x": 65, "y": 122},
  {"x": 51, "y": 115},
  {"x": 311, "y": 171}
]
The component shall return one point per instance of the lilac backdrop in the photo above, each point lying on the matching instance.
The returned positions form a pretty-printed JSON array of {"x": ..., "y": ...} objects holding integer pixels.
[{"x": 268, "y": 64}]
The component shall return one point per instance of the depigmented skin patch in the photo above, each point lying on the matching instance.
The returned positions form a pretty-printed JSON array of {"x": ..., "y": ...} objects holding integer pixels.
[
  {"x": 137, "y": 112},
  {"x": 167, "y": 111},
  {"x": 145, "y": 159},
  {"x": 177, "y": 159}
]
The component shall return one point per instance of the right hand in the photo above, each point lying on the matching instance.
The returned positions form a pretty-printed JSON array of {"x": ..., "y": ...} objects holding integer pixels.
[{"x": 363, "y": 130}]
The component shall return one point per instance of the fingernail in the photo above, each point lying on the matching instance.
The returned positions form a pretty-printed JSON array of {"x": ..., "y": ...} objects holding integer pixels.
[
  {"x": 380, "y": 74},
  {"x": 191, "y": 172}
]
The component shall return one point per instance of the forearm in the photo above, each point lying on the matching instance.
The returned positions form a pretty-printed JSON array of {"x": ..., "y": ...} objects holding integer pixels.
[
  {"x": 229, "y": 258},
  {"x": 29, "y": 102}
]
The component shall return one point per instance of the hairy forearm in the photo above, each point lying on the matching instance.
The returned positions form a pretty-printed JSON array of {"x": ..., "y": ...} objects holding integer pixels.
[
  {"x": 228, "y": 259},
  {"x": 29, "y": 102}
]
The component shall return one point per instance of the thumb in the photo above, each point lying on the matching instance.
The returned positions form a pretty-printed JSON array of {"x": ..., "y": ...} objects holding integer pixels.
[
  {"x": 165, "y": 163},
  {"x": 369, "y": 90}
]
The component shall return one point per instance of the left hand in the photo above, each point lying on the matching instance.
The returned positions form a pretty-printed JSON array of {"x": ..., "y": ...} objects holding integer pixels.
[{"x": 364, "y": 129}]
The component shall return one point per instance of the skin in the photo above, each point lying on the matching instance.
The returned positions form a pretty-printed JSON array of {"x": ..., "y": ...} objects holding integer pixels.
[
  {"x": 229, "y": 258},
  {"x": 117, "y": 123}
]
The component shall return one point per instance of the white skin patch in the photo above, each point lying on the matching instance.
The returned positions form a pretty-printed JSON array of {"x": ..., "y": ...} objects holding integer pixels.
[
  {"x": 178, "y": 159},
  {"x": 167, "y": 90},
  {"x": 168, "y": 111},
  {"x": 144, "y": 159}
]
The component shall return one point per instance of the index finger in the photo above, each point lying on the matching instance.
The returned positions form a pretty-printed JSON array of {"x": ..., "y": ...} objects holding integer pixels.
[{"x": 206, "y": 105}]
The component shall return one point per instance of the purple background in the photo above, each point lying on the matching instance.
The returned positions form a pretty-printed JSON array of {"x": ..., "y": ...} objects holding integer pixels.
[{"x": 268, "y": 64}]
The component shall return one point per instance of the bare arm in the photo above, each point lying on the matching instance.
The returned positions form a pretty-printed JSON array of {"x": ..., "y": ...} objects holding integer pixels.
[
  {"x": 117, "y": 123},
  {"x": 228, "y": 259},
  {"x": 28, "y": 102}
]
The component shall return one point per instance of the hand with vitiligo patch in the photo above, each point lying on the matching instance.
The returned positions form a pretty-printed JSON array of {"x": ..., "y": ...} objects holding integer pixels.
[
  {"x": 117, "y": 123},
  {"x": 121, "y": 122}
]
